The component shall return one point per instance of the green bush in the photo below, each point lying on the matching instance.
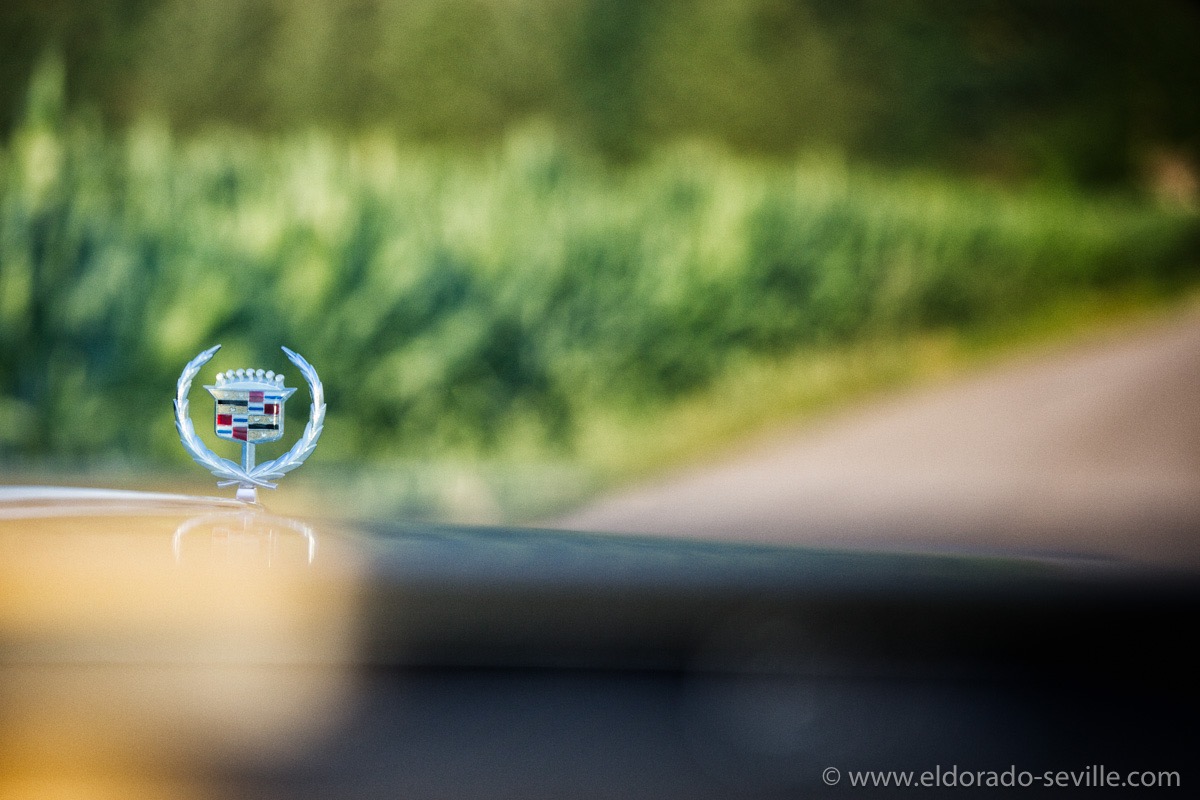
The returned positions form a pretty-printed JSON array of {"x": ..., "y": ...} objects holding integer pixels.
[{"x": 466, "y": 303}]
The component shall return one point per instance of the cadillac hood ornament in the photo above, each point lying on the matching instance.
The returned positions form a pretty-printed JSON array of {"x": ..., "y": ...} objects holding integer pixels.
[{"x": 249, "y": 409}]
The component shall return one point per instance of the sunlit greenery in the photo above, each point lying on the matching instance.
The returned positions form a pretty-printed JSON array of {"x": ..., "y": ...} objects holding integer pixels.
[
  {"x": 1087, "y": 92},
  {"x": 493, "y": 304}
]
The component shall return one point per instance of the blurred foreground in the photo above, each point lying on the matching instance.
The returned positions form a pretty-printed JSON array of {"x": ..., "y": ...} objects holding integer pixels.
[
  {"x": 188, "y": 647},
  {"x": 147, "y": 641}
]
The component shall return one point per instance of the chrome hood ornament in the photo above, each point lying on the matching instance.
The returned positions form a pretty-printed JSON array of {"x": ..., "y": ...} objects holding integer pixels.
[{"x": 249, "y": 409}]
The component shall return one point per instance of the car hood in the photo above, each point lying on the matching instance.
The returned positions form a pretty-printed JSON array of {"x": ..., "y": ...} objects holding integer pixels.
[{"x": 148, "y": 639}]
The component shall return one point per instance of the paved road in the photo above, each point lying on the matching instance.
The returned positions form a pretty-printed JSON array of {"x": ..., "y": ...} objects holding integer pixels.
[{"x": 1090, "y": 449}]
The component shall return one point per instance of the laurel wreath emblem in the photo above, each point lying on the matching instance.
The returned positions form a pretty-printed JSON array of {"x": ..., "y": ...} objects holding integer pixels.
[{"x": 230, "y": 472}]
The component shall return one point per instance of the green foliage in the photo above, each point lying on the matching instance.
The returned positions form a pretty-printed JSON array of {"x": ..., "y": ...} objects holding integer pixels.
[
  {"x": 461, "y": 304},
  {"x": 1086, "y": 92}
]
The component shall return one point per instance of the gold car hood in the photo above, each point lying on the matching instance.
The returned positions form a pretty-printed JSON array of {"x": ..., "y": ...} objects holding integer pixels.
[
  {"x": 144, "y": 635},
  {"x": 166, "y": 646}
]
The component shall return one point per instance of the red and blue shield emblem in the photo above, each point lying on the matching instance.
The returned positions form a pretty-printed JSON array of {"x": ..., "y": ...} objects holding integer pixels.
[{"x": 249, "y": 410}]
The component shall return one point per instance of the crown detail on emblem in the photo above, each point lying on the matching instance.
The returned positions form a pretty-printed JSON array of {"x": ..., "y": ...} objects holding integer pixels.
[
  {"x": 249, "y": 410},
  {"x": 250, "y": 377}
]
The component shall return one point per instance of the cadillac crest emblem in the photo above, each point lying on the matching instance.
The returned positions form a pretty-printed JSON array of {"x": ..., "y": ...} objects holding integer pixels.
[{"x": 249, "y": 409}]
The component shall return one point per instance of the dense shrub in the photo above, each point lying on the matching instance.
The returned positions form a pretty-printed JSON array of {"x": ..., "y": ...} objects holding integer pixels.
[{"x": 469, "y": 303}]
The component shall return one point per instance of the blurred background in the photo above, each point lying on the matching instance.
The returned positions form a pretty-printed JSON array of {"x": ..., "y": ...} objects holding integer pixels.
[{"x": 538, "y": 249}]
